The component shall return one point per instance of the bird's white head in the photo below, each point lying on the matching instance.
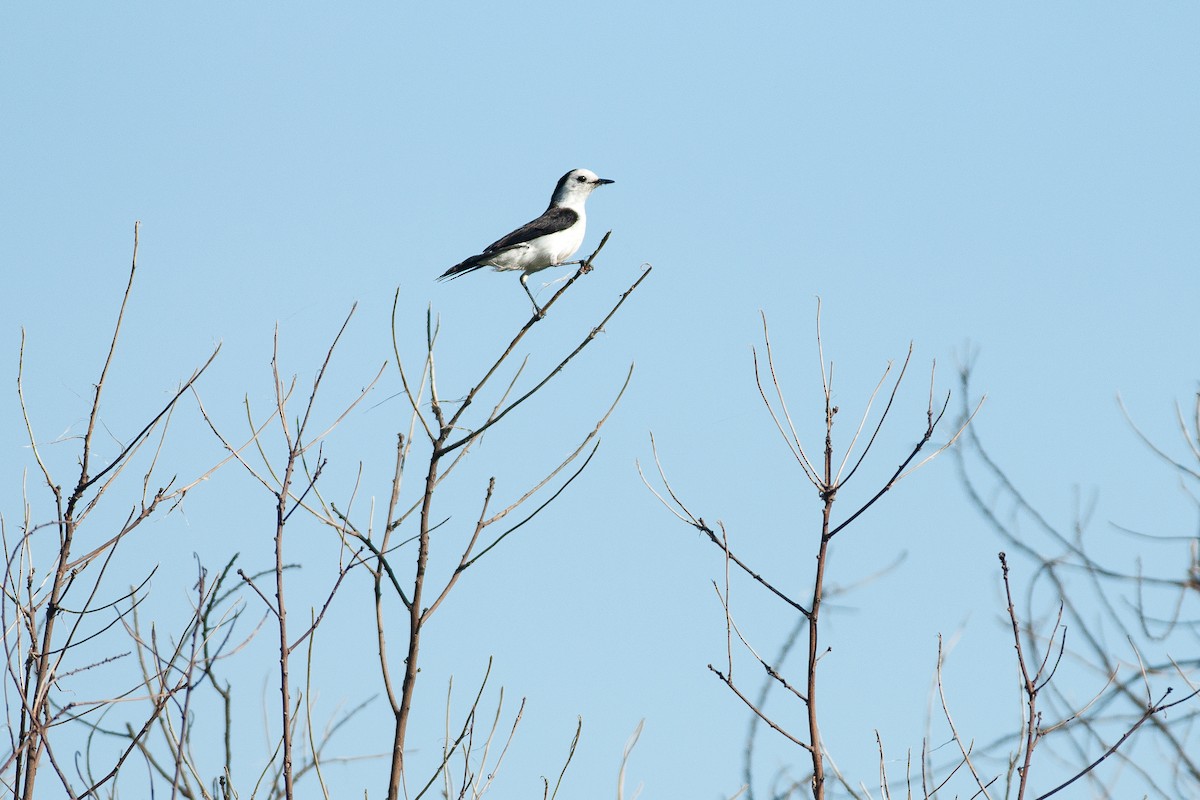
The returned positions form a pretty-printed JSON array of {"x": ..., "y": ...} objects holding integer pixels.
[{"x": 574, "y": 187}]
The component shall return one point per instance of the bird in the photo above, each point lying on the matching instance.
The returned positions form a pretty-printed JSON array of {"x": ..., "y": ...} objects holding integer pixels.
[{"x": 547, "y": 241}]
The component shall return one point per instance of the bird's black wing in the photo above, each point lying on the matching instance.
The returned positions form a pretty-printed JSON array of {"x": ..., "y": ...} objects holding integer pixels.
[{"x": 554, "y": 220}]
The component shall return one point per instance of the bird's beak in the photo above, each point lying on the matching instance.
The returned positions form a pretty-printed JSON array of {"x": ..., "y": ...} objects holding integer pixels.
[{"x": 602, "y": 181}]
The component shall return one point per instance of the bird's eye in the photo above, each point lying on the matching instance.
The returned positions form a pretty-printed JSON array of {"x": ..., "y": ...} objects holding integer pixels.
[{"x": 581, "y": 178}]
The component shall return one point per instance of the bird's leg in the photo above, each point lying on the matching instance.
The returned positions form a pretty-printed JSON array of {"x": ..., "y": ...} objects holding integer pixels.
[
  {"x": 585, "y": 267},
  {"x": 536, "y": 308}
]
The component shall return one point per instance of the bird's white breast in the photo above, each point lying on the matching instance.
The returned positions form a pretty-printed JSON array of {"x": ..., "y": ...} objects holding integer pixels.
[{"x": 543, "y": 252}]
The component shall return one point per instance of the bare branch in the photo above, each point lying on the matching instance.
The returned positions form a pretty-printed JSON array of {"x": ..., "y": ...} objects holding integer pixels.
[
  {"x": 570, "y": 755},
  {"x": 1151, "y": 710},
  {"x": 749, "y": 704},
  {"x": 586, "y": 341},
  {"x": 964, "y": 749}
]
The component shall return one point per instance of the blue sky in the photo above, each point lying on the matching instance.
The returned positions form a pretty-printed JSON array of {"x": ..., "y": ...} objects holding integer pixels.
[{"x": 1016, "y": 181}]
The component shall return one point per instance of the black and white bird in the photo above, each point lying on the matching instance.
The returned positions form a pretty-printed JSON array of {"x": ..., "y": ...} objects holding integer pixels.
[{"x": 547, "y": 241}]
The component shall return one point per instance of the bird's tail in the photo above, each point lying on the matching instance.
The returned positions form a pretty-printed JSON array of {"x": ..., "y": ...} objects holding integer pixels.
[{"x": 470, "y": 265}]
